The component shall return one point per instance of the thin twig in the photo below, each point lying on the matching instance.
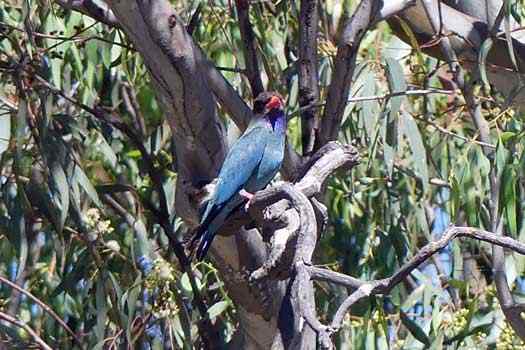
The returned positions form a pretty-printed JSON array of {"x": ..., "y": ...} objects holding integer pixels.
[
  {"x": 450, "y": 133},
  {"x": 384, "y": 286},
  {"x": 21, "y": 324},
  {"x": 162, "y": 214},
  {"x": 44, "y": 306},
  {"x": 498, "y": 259}
]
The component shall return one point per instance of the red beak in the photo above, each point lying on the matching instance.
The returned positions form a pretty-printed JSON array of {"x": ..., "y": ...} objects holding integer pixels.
[{"x": 274, "y": 102}]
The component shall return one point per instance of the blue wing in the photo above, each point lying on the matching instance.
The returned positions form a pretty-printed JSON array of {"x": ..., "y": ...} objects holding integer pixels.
[
  {"x": 270, "y": 163},
  {"x": 240, "y": 164},
  {"x": 239, "y": 167}
]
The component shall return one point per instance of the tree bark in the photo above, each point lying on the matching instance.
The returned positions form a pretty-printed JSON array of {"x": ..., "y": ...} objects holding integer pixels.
[{"x": 182, "y": 85}]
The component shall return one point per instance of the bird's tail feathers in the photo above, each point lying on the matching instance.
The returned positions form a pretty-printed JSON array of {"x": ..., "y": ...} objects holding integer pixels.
[
  {"x": 204, "y": 245},
  {"x": 214, "y": 218},
  {"x": 203, "y": 233}
]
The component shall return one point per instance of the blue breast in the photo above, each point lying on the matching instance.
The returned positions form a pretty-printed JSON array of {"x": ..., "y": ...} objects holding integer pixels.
[{"x": 273, "y": 153}]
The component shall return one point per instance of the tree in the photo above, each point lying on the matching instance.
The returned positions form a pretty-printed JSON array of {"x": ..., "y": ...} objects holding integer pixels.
[{"x": 405, "y": 134}]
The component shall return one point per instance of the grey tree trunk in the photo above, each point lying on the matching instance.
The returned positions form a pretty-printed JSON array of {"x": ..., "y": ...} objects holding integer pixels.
[{"x": 188, "y": 87}]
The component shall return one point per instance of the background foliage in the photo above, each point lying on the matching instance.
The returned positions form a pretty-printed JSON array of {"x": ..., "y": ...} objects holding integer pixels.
[{"x": 81, "y": 190}]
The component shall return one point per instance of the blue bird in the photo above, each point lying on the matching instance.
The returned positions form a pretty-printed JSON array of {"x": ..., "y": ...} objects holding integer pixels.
[{"x": 252, "y": 162}]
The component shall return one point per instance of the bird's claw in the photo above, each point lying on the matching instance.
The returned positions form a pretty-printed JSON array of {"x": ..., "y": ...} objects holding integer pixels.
[{"x": 245, "y": 194}]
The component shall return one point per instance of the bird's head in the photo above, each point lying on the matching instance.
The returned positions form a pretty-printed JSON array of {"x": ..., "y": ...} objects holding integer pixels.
[{"x": 268, "y": 102}]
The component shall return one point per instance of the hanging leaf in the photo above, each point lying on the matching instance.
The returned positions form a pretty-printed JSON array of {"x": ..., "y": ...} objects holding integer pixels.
[
  {"x": 419, "y": 155},
  {"x": 80, "y": 177},
  {"x": 80, "y": 266},
  {"x": 59, "y": 188},
  {"x": 217, "y": 309},
  {"x": 414, "y": 329},
  {"x": 397, "y": 84},
  {"x": 5, "y": 133},
  {"x": 509, "y": 198},
  {"x": 482, "y": 60}
]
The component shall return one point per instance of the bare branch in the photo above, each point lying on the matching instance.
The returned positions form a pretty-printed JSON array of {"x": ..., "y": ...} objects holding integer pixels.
[
  {"x": 433, "y": 9},
  {"x": 392, "y": 7},
  {"x": 44, "y": 307},
  {"x": 354, "y": 30},
  {"x": 249, "y": 48},
  {"x": 293, "y": 255},
  {"x": 321, "y": 274},
  {"x": 345, "y": 62},
  {"x": 308, "y": 74},
  {"x": 21, "y": 324},
  {"x": 364, "y": 289},
  {"x": 331, "y": 157},
  {"x": 92, "y": 9}
]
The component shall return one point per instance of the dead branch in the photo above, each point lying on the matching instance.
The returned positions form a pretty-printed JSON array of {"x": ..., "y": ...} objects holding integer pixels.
[
  {"x": 433, "y": 12},
  {"x": 363, "y": 289},
  {"x": 366, "y": 15},
  {"x": 250, "y": 47},
  {"x": 21, "y": 324},
  {"x": 308, "y": 75},
  {"x": 93, "y": 9}
]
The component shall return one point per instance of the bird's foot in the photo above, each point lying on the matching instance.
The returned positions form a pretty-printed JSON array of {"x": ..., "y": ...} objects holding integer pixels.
[{"x": 245, "y": 194}]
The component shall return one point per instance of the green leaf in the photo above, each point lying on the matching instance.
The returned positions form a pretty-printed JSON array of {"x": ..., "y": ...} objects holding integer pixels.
[
  {"x": 59, "y": 192},
  {"x": 106, "y": 150},
  {"x": 396, "y": 82},
  {"x": 369, "y": 108},
  {"x": 437, "y": 344},
  {"x": 80, "y": 267},
  {"x": 509, "y": 198},
  {"x": 414, "y": 329},
  {"x": 509, "y": 39},
  {"x": 482, "y": 60},
  {"x": 132, "y": 298},
  {"x": 5, "y": 133},
  {"x": 102, "y": 310},
  {"x": 217, "y": 309},
  {"x": 131, "y": 301},
  {"x": 419, "y": 155},
  {"x": 389, "y": 157},
  {"x": 80, "y": 177}
]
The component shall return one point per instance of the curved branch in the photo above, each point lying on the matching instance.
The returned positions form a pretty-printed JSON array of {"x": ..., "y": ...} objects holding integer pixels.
[
  {"x": 328, "y": 159},
  {"x": 92, "y": 9},
  {"x": 21, "y": 324},
  {"x": 384, "y": 286},
  {"x": 44, "y": 306},
  {"x": 433, "y": 11}
]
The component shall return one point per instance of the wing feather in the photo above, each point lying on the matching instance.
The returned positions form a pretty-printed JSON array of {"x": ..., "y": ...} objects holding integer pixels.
[{"x": 240, "y": 164}]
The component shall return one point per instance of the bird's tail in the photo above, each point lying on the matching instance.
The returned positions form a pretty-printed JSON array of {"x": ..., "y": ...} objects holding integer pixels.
[
  {"x": 204, "y": 244},
  {"x": 206, "y": 232}
]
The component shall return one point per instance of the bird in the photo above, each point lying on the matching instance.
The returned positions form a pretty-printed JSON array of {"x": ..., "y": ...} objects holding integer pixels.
[{"x": 251, "y": 163}]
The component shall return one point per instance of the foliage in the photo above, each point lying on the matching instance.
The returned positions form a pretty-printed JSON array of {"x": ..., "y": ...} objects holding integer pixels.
[{"x": 80, "y": 201}]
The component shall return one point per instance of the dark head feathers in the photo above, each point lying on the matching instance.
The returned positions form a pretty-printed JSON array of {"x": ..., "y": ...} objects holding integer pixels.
[{"x": 262, "y": 99}]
